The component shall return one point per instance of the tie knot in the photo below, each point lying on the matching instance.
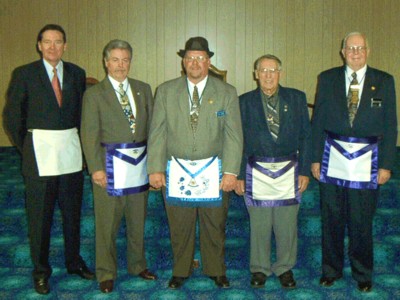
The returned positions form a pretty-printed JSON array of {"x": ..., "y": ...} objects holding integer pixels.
[
  {"x": 121, "y": 86},
  {"x": 354, "y": 75},
  {"x": 55, "y": 71}
]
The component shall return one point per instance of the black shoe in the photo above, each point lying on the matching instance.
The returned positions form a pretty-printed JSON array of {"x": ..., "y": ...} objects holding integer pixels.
[
  {"x": 365, "y": 287},
  {"x": 221, "y": 281},
  {"x": 258, "y": 279},
  {"x": 83, "y": 272},
  {"x": 176, "y": 282},
  {"x": 328, "y": 281},
  {"x": 106, "y": 286},
  {"x": 42, "y": 286},
  {"x": 287, "y": 280}
]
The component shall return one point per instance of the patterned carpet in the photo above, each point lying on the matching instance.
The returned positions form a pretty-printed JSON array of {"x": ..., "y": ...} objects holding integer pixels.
[{"x": 15, "y": 265}]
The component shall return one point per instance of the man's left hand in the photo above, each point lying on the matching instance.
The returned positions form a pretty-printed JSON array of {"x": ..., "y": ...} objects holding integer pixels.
[
  {"x": 228, "y": 182},
  {"x": 303, "y": 183},
  {"x": 383, "y": 176}
]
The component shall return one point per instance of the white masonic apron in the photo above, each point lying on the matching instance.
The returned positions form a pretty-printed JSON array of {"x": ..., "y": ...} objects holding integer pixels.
[
  {"x": 272, "y": 181},
  {"x": 126, "y": 168},
  {"x": 194, "y": 183},
  {"x": 350, "y": 162},
  {"x": 57, "y": 152}
]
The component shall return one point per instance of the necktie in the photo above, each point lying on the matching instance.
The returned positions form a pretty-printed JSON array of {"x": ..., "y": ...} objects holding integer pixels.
[
  {"x": 352, "y": 98},
  {"x": 57, "y": 87},
  {"x": 126, "y": 107},
  {"x": 273, "y": 116},
  {"x": 194, "y": 112}
]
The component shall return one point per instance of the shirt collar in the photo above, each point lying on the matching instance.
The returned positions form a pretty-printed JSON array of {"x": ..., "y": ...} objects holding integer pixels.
[
  {"x": 360, "y": 73},
  {"x": 116, "y": 83}
]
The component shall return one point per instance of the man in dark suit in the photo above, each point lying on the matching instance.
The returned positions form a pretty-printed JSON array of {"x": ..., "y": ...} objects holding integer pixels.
[
  {"x": 275, "y": 168},
  {"x": 115, "y": 123},
  {"x": 196, "y": 135},
  {"x": 43, "y": 123},
  {"x": 354, "y": 146}
]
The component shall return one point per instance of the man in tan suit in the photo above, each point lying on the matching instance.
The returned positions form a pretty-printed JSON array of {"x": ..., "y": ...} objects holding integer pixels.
[
  {"x": 115, "y": 120},
  {"x": 196, "y": 135}
]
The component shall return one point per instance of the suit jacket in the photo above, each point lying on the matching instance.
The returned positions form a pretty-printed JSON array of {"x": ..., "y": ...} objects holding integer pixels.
[
  {"x": 219, "y": 130},
  {"x": 331, "y": 112},
  {"x": 32, "y": 104},
  {"x": 294, "y": 128},
  {"x": 103, "y": 120}
]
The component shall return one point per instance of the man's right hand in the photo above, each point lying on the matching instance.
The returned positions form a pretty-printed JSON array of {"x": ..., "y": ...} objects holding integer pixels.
[
  {"x": 157, "y": 180},
  {"x": 240, "y": 188}
]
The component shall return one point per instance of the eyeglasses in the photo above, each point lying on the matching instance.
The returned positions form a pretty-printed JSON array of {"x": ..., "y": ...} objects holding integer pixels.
[
  {"x": 199, "y": 59},
  {"x": 356, "y": 48},
  {"x": 269, "y": 71}
]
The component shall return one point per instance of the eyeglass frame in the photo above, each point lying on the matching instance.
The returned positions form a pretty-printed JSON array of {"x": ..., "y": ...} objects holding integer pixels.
[
  {"x": 353, "y": 49},
  {"x": 272, "y": 71},
  {"x": 199, "y": 59}
]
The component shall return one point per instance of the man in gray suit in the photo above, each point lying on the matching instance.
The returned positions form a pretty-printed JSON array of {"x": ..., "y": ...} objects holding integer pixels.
[
  {"x": 115, "y": 120},
  {"x": 196, "y": 135}
]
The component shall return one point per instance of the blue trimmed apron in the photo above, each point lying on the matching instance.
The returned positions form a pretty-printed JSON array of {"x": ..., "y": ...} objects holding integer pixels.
[
  {"x": 350, "y": 162},
  {"x": 194, "y": 183},
  {"x": 272, "y": 181},
  {"x": 126, "y": 168}
]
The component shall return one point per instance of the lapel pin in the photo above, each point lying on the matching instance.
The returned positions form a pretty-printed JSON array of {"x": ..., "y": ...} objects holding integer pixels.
[{"x": 211, "y": 101}]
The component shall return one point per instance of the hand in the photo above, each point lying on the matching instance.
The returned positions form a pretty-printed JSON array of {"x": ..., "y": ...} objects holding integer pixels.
[
  {"x": 239, "y": 189},
  {"x": 303, "y": 183},
  {"x": 316, "y": 170},
  {"x": 100, "y": 178},
  {"x": 228, "y": 182},
  {"x": 157, "y": 180},
  {"x": 383, "y": 176}
]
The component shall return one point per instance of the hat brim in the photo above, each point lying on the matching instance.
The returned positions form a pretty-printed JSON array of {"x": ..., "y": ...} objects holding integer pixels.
[{"x": 182, "y": 53}]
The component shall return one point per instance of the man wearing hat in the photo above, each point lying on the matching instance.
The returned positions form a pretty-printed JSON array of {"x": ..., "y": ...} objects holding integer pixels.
[{"x": 194, "y": 154}]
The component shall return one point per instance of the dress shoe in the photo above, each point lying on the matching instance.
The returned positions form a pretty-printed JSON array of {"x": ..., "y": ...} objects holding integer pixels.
[
  {"x": 258, "y": 279},
  {"x": 287, "y": 280},
  {"x": 83, "y": 272},
  {"x": 328, "y": 281},
  {"x": 42, "y": 286},
  {"x": 176, "y": 282},
  {"x": 221, "y": 281},
  {"x": 365, "y": 286},
  {"x": 107, "y": 286},
  {"x": 147, "y": 275}
]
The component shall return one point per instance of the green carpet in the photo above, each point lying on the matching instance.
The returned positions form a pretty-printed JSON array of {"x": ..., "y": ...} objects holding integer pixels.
[{"x": 15, "y": 264}]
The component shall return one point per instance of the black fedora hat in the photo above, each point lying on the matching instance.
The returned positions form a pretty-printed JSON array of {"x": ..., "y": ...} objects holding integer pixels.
[{"x": 197, "y": 43}]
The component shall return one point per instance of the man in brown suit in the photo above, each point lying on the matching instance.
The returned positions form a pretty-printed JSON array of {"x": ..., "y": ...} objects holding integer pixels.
[{"x": 115, "y": 120}]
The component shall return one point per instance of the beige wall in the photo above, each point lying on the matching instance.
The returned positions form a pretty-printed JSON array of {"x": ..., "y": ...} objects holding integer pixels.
[{"x": 305, "y": 34}]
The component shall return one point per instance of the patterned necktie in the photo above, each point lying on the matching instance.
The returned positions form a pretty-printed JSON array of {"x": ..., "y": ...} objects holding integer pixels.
[
  {"x": 352, "y": 99},
  {"x": 194, "y": 112},
  {"x": 126, "y": 107},
  {"x": 57, "y": 87},
  {"x": 273, "y": 116}
]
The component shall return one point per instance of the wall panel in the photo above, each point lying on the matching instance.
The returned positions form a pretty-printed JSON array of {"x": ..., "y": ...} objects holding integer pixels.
[{"x": 305, "y": 34}]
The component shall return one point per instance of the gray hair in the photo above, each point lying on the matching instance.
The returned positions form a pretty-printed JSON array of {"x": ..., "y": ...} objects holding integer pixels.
[
  {"x": 267, "y": 56},
  {"x": 344, "y": 42},
  {"x": 116, "y": 44}
]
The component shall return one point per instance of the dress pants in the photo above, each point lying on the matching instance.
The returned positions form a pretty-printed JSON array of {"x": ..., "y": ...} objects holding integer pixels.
[
  {"x": 182, "y": 225},
  {"x": 109, "y": 212},
  {"x": 354, "y": 208},
  {"x": 42, "y": 193},
  {"x": 282, "y": 221}
]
